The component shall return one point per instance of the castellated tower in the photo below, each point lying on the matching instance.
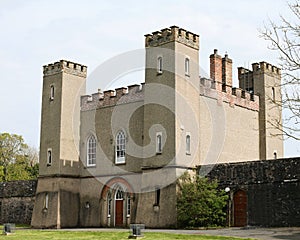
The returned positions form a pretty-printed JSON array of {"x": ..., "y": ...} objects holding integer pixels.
[
  {"x": 265, "y": 81},
  {"x": 171, "y": 107},
  {"x": 63, "y": 84}
]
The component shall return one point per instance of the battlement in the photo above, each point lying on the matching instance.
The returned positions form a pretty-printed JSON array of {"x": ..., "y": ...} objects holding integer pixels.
[
  {"x": 123, "y": 95},
  {"x": 228, "y": 94},
  {"x": 265, "y": 68},
  {"x": 171, "y": 34},
  {"x": 65, "y": 66}
]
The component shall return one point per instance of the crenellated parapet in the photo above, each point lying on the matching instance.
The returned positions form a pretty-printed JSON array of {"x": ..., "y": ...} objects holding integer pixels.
[
  {"x": 65, "y": 66},
  {"x": 232, "y": 96},
  {"x": 108, "y": 98},
  {"x": 264, "y": 67},
  {"x": 171, "y": 34}
]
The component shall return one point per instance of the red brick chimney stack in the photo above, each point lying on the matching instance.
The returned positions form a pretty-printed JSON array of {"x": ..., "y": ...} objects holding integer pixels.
[
  {"x": 226, "y": 70},
  {"x": 216, "y": 66}
]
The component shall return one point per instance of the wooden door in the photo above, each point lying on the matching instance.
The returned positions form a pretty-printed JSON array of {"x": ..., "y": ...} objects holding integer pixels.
[
  {"x": 240, "y": 208},
  {"x": 119, "y": 213}
]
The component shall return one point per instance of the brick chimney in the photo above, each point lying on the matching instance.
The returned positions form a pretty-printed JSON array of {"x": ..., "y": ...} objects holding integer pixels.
[
  {"x": 226, "y": 71},
  {"x": 216, "y": 66}
]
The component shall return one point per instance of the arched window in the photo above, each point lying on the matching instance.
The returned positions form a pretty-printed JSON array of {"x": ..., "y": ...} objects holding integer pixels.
[
  {"x": 187, "y": 66},
  {"x": 120, "y": 147},
  {"x": 188, "y": 144},
  {"x": 159, "y": 65},
  {"x": 91, "y": 151},
  {"x": 158, "y": 142},
  {"x": 51, "y": 92},
  {"x": 119, "y": 194}
]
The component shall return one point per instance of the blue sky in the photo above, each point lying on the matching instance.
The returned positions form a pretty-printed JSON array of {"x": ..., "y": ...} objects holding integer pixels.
[{"x": 35, "y": 33}]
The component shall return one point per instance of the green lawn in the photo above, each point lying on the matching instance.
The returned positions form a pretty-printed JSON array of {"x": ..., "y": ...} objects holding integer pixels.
[{"x": 74, "y": 235}]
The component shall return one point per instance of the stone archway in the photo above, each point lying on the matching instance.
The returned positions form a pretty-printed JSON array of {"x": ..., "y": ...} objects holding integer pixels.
[{"x": 117, "y": 195}]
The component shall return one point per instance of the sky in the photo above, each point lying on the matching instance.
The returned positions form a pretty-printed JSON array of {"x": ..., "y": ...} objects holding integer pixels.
[{"x": 35, "y": 33}]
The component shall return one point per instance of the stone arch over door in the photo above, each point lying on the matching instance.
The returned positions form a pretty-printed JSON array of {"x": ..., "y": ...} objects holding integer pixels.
[
  {"x": 117, "y": 195},
  {"x": 240, "y": 208}
]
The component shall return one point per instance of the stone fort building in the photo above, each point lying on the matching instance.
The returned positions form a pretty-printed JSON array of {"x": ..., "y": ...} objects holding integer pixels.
[{"x": 112, "y": 158}]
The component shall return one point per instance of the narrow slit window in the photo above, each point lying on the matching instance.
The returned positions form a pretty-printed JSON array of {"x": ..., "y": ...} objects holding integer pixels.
[
  {"x": 128, "y": 205},
  {"x": 187, "y": 66},
  {"x": 49, "y": 157},
  {"x": 158, "y": 142},
  {"x": 51, "y": 92},
  {"x": 159, "y": 65},
  {"x": 273, "y": 94},
  {"x": 46, "y": 201},
  {"x": 275, "y": 155},
  {"x": 157, "y": 197},
  {"x": 188, "y": 144},
  {"x": 109, "y": 202}
]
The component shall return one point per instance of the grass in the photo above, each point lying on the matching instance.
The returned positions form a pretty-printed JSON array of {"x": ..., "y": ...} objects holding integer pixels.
[{"x": 87, "y": 235}]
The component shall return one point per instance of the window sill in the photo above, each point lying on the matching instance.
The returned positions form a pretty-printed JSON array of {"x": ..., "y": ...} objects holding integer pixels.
[
  {"x": 91, "y": 166},
  {"x": 120, "y": 163},
  {"x": 159, "y": 73},
  {"x": 49, "y": 164},
  {"x": 187, "y": 75},
  {"x": 158, "y": 153},
  {"x": 188, "y": 153}
]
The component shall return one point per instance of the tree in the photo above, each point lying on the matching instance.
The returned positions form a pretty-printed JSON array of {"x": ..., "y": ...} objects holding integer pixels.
[
  {"x": 200, "y": 203},
  {"x": 284, "y": 38},
  {"x": 18, "y": 161}
]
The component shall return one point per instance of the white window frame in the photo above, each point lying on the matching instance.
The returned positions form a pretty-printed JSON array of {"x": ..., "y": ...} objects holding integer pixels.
[
  {"x": 128, "y": 209},
  {"x": 120, "y": 149},
  {"x": 52, "y": 92},
  {"x": 158, "y": 140},
  {"x": 159, "y": 64},
  {"x": 188, "y": 144},
  {"x": 187, "y": 66},
  {"x": 91, "y": 151},
  {"x": 49, "y": 157}
]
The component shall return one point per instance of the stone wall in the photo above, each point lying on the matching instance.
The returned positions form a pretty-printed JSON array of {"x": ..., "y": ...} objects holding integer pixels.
[
  {"x": 16, "y": 201},
  {"x": 272, "y": 187}
]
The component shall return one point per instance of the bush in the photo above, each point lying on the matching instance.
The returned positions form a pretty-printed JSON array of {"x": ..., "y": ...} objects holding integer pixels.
[{"x": 200, "y": 203}]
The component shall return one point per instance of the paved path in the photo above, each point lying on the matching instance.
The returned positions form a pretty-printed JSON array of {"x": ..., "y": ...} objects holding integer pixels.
[{"x": 256, "y": 233}]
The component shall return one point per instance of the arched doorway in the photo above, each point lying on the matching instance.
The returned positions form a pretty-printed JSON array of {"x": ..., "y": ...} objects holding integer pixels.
[
  {"x": 119, "y": 213},
  {"x": 117, "y": 201},
  {"x": 240, "y": 208}
]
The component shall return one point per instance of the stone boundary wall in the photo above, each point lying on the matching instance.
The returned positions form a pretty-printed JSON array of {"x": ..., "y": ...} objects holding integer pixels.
[
  {"x": 272, "y": 187},
  {"x": 16, "y": 201}
]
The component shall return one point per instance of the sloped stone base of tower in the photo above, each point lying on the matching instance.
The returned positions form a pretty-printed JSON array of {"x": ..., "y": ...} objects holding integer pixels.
[
  {"x": 57, "y": 203},
  {"x": 158, "y": 211}
]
